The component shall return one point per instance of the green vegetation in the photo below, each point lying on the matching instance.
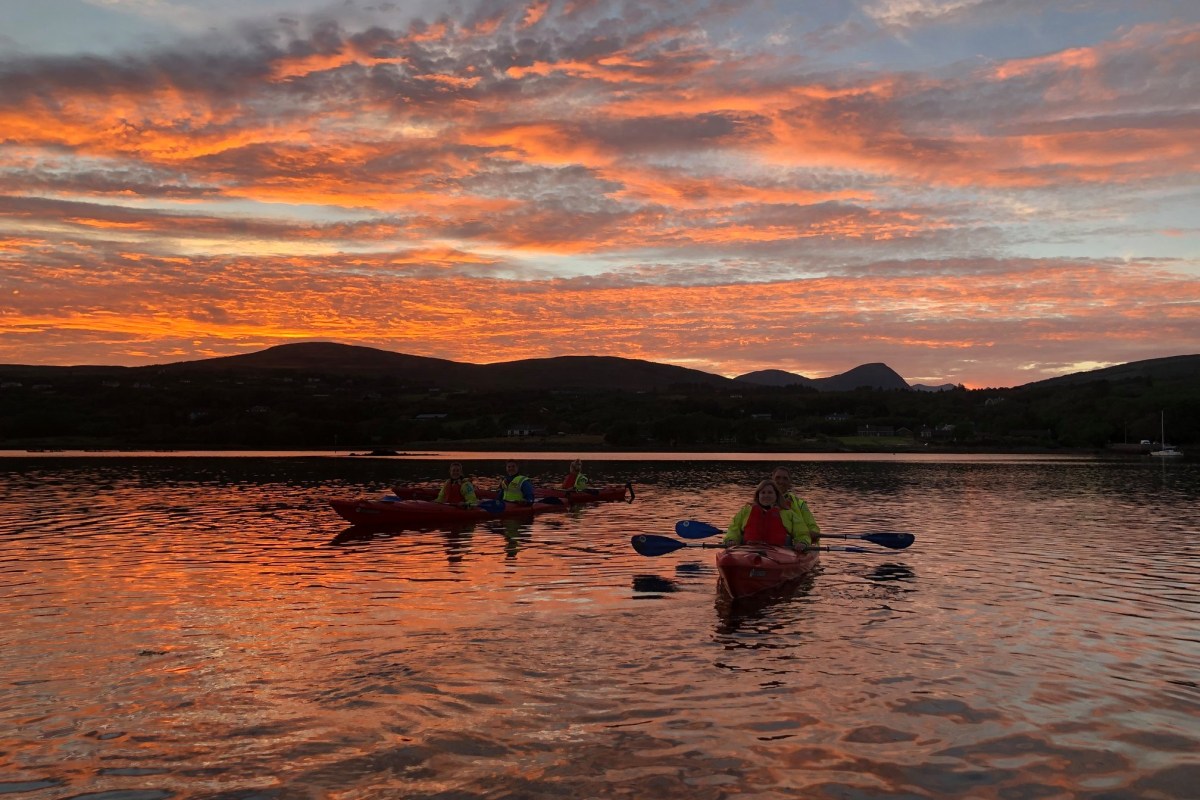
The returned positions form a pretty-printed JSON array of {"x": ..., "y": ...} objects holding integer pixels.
[{"x": 95, "y": 408}]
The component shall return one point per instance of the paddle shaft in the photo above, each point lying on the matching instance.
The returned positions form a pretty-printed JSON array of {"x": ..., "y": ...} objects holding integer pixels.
[
  {"x": 694, "y": 529},
  {"x": 648, "y": 544}
]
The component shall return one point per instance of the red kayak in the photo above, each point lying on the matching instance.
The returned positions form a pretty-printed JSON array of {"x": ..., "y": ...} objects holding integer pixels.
[
  {"x": 748, "y": 569},
  {"x": 417, "y": 513},
  {"x": 602, "y": 494},
  {"x": 428, "y": 493}
]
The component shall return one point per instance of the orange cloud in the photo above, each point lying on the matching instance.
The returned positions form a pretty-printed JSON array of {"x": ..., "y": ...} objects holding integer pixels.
[
  {"x": 389, "y": 184},
  {"x": 813, "y": 326}
]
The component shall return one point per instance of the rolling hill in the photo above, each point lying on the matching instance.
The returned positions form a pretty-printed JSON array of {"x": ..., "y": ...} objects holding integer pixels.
[
  {"x": 1169, "y": 368},
  {"x": 875, "y": 376},
  {"x": 562, "y": 372}
]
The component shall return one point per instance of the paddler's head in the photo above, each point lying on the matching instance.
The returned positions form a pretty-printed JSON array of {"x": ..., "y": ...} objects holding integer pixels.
[
  {"x": 455, "y": 470},
  {"x": 766, "y": 495},
  {"x": 510, "y": 467},
  {"x": 782, "y": 478}
]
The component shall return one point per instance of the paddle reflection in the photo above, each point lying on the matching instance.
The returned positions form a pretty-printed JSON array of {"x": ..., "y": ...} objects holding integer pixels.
[
  {"x": 654, "y": 585},
  {"x": 457, "y": 543},
  {"x": 516, "y": 533},
  {"x": 353, "y": 534},
  {"x": 892, "y": 572}
]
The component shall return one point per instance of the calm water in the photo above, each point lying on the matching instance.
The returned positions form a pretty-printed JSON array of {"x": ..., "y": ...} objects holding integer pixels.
[{"x": 191, "y": 627}]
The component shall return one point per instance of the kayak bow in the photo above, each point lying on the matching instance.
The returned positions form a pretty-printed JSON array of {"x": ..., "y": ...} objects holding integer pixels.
[{"x": 752, "y": 568}]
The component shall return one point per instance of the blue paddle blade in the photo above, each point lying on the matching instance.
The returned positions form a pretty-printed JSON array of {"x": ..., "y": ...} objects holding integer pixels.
[
  {"x": 895, "y": 541},
  {"x": 695, "y": 529}
]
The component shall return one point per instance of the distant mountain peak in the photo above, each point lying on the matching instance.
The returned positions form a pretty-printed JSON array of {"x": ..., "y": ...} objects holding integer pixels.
[
  {"x": 774, "y": 377},
  {"x": 876, "y": 375}
]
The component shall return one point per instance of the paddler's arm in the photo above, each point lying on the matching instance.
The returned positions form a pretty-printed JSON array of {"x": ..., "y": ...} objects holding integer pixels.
[
  {"x": 527, "y": 490},
  {"x": 797, "y": 529},
  {"x": 810, "y": 522},
  {"x": 468, "y": 492},
  {"x": 734, "y": 533}
]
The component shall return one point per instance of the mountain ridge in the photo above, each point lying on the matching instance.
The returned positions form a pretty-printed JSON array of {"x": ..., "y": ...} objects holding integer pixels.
[
  {"x": 875, "y": 375},
  {"x": 558, "y": 372},
  {"x": 573, "y": 372},
  {"x": 1166, "y": 367},
  {"x": 322, "y": 394}
]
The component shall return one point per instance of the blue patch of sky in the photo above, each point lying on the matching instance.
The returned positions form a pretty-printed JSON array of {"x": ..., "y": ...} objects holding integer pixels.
[
  {"x": 69, "y": 27},
  {"x": 983, "y": 32}
]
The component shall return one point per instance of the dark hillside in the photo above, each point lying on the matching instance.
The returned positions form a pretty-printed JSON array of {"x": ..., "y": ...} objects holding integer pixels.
[
  {"x": 870, "y": 376},
  {"x": 564, "y": 372},
  {"x": 775, "y": 377},
  {"x": 1171, "y": 368},
  {"x": 327, "y": 358},
  {"x": 328, "y": 395},
  {"x": 590, "y": 372},
  {"x": 874, "y": 376}
]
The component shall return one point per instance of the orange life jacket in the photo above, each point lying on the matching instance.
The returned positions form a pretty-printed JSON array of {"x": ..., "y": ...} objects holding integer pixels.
[
  {"x": 453, "y": 491},
  {"x": 765, "y": 526},
  {"x": 569, "y": 481}
]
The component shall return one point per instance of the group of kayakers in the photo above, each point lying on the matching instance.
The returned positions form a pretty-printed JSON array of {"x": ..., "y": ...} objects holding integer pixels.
[
  {"x": 514, "y": 487},
  {"x": 775, "y": 515}
]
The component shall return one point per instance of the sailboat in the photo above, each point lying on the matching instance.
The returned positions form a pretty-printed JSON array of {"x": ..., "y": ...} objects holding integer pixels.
[{"x": 1167, "y": 450}]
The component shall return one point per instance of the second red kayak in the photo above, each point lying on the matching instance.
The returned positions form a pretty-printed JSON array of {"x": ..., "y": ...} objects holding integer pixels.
[
  {"x": 752, "y": 568},
  {"x": 603, "y": 494},
  {"x": 405, "y": 513}
]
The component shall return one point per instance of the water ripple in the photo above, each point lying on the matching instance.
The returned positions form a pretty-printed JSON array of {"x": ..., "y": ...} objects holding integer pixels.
[{"x": 202, "y": 628}]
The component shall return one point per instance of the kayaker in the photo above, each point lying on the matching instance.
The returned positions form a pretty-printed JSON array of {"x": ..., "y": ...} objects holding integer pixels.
[
  {"x": 458, "y": 490},
  {"x": 782, "y": 478},
  {"x": 575, "y": 481},
  {"x": 514, "y": 487},
  {"x": 763, "y": 521}
]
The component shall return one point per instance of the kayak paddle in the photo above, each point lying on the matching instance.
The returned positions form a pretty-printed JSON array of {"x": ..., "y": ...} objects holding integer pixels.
[
  {"x": 648, "y": 544},
  {"x": 694, "y": 529}
]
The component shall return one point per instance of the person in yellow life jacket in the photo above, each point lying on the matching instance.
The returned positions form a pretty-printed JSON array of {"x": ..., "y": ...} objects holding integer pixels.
[
  {"x": 782, "y": 478},
  {"x": 515, "y": 487},
  {"x": 575, "y": 481},
  {"x": 764, "y": 522},
  {"x": 457, "y": 490}
]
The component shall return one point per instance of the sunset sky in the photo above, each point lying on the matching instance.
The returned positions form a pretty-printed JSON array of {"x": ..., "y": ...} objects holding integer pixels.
[{"x": 986, "y": 192}]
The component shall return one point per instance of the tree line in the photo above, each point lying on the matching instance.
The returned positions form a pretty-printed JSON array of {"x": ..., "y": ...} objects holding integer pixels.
[{"x": 275, "y": 409}]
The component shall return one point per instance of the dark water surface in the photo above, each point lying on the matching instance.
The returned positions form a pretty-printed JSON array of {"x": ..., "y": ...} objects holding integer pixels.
[{"x": 206, "y": 627}]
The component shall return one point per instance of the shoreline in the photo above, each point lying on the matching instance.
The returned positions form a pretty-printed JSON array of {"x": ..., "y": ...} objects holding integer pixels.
[{"x": 551, "y": 453}]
